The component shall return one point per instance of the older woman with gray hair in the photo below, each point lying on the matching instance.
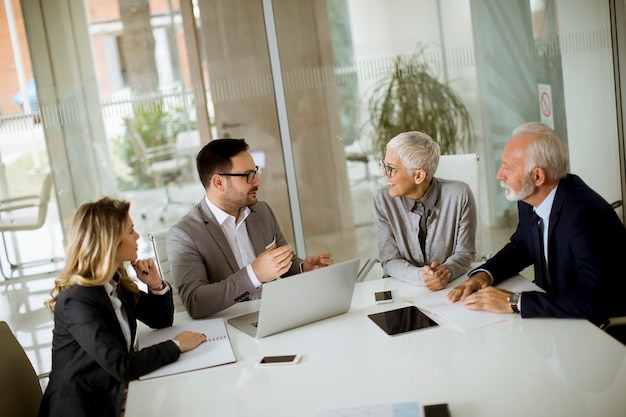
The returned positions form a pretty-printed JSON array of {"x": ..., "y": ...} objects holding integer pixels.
[{"x": 425, "y": 226}]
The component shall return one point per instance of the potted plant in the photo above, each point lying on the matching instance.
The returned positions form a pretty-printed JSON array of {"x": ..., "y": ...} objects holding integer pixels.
[{"x": 410, "y": 98}]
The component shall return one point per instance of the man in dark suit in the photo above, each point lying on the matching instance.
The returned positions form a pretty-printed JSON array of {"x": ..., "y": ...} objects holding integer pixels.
[
  {"x": 230, "y": 244},
  {"x": 584, "y": 238}
]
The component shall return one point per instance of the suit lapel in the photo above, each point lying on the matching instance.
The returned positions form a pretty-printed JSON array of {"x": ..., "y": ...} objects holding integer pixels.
[
  {"x": 102, "y": 293},
  {"x": 534, "y": 225},
  {"x": 215, "y": 232},
  {"x": 555, "y": 213},
  {"x": 130, "y": 316},
  {"x": 255, "y": 227}
]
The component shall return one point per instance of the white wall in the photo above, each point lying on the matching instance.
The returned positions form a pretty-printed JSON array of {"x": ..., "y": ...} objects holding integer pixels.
[
  {"x": 392, "y": 27},
  {"x": 589, "y": 94}
]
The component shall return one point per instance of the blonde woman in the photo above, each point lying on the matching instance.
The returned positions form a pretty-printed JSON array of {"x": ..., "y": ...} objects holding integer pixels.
[{"x": 96, "y": 306}]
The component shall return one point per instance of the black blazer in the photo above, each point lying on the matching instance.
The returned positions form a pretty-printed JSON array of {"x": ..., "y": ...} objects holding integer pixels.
[
  {"x": 90, "y": 360},
  {"x": 586, "y": 242}
]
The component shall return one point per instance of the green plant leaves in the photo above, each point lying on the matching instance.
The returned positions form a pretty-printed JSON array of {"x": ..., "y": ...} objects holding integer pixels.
[{"x": 409, "y": 98}]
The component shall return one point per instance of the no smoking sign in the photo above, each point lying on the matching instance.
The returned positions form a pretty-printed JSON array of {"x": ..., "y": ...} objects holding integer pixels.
[{"x": 545, "y": 104}]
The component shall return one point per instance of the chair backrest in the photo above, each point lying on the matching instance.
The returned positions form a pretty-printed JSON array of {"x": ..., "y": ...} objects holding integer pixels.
[
  {"x": 17, "y": 223},
  {"x": 135, "y": 140},
  {"x": 188, "y": 139},
  {"x": 19, "y": 384},
  {"x": 159, "y": 245},
  {"x": 619, "y": 209},
  {"x": 44, "y": 198},
  {"x": 463, "y": 167},
  {"x": 370, "y": 269}
]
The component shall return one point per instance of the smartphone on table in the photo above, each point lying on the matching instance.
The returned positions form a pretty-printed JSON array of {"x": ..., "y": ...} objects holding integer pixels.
[
  {"x": 279, "y": 360},
  {"x": 383, "y": 297}
]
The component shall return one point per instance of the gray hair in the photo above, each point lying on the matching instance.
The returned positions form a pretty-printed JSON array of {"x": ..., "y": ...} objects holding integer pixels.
[
  {"x": 416, "y": 150},
  {"x": 546, "y": 151}
]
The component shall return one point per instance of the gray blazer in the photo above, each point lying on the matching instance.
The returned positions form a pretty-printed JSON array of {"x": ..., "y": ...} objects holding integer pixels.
[{"x": 204, "y": 268}]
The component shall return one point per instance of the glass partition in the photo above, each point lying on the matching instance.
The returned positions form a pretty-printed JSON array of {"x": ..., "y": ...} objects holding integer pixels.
[{"x": 551, "y": 61}]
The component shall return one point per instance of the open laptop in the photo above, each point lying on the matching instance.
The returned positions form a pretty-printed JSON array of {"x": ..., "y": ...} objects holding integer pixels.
[{"x": 301, "y": 299}]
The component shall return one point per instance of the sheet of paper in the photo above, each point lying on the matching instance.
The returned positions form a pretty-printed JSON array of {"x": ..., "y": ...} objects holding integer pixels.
[
  {"x": 216, "y": 351},
  {"x": 436, "y": 303}
]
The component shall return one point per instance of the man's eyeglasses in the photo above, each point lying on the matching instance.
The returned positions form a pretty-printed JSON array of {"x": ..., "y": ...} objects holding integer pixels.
[
  {"x": 250, "y": 176},
  {"x": 390, "y": 172}
]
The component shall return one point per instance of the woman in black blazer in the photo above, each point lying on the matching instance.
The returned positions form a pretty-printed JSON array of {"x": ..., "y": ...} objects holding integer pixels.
[{"x": 96, "y": 306}]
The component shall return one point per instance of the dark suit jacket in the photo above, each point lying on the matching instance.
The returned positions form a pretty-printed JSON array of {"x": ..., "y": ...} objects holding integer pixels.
[
  {"x": 586, "y": 242},
  {"x": 203, "y": 266},
  {"x": 90, "y": 360}
]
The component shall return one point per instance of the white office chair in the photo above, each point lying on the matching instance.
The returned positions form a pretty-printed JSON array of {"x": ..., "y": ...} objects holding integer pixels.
[
  {"x": 19, "y": 383},
  {"x": 464, "y": 167},
  {"x": 360, "y": 151},
  {"x": 460, "y": 167},
  {"x": 26, "y": 213},
  {"x": 159, "y": 245},
  {"x": 616, "y": 327},
  {"x": 163, "y": 164},
  {"x": 371, "y": 269}
]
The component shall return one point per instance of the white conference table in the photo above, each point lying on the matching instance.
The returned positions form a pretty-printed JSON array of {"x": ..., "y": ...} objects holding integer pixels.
[{"x": 517, "y": 367}]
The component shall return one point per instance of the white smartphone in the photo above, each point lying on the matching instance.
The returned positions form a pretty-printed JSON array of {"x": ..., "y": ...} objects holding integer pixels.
[
  {"x": 279, "y": 360},
  {"x": 383, "y": 297}
]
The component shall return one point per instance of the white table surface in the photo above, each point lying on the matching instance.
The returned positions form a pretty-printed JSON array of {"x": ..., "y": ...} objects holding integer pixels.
[{"x": 518, "y": 367}]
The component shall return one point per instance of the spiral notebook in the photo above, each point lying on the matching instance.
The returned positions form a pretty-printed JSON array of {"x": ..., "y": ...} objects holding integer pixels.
[{"x": 216, "y": 351}]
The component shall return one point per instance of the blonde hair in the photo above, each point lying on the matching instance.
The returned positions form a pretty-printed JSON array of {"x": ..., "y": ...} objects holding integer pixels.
[{"x": 93, "y": 239}]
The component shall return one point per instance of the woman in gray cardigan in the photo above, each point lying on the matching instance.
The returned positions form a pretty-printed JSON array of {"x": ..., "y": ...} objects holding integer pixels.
[{"x": 425, "y": 226}]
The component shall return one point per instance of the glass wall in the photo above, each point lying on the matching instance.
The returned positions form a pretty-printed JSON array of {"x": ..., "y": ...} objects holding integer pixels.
[
  {"x": 303, "y": 82},
  {"x": 24, "y": 161}
]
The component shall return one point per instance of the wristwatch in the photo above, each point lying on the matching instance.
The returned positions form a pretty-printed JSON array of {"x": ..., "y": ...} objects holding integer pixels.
[{"x": 513, "y": 300}]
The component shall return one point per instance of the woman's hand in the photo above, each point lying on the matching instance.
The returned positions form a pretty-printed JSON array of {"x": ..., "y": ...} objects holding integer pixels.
[
  {"x": 190, "y": 340},
  {"x": 436, "y": 276},
  {"x": 148, "y": 273}
]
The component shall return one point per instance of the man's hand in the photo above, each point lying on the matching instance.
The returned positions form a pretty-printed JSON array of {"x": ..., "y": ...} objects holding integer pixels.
[
  {"x": 315, "y": 262},
  {"x": 272, "y": 263},
  {"x": 436, "y": 276},
  {"x": 489, "y": 299},
  {"x": 476, "y": 282}
]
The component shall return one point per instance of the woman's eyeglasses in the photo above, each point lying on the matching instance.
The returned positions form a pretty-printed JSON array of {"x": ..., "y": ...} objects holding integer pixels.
[{"x": 390, "y": 172}]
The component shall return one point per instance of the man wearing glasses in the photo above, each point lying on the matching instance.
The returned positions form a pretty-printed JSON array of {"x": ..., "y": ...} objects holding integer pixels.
[
  {"x": 226, "y": 247},
  {"x": 425, "y": 226}
]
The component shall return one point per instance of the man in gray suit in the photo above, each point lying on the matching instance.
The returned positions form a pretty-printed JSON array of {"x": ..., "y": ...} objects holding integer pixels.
[{"x": 230, "y": 244}]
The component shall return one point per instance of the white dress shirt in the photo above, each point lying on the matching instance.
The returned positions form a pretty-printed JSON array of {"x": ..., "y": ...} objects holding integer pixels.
[
  {"x": 120, "y": 313},
  {"x": 238, "y": 239}
]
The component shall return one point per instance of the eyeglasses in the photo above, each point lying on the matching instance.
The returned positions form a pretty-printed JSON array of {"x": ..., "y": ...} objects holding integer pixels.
[
  {"x": 250, "y": 176},
  {"x": 390, "y": 172}
]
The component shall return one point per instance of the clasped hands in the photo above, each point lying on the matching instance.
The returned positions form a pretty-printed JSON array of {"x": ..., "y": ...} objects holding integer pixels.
[
  {"x": 436, "y": 276},
  {"x": 275, "y": 261},
  {"x": 476, "y": 293}
]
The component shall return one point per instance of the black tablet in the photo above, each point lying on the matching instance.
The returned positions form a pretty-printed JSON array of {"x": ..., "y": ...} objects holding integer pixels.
[{"x": 402, "y": 320}]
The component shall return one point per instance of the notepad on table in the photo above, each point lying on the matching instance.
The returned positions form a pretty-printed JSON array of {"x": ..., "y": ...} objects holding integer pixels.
[{"x": 216, "y": 351}]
